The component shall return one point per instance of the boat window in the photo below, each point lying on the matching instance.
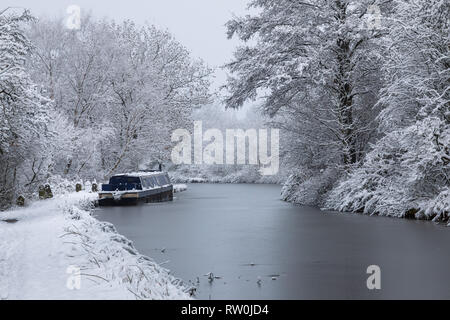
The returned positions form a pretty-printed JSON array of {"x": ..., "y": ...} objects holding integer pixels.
[
  {"x": 161, "y": 180},
  {"x": 124, "y": 180},
  {"x": 153, "y": 182},
  {"x": 150, "y": 183}
]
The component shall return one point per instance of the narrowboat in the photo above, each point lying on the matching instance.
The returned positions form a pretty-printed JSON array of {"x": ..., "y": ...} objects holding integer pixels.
[{"x": 131, "y": 188}]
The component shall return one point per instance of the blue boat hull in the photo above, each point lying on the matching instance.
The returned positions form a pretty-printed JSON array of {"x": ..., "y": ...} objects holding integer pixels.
[{"x": 136, "y": 196}]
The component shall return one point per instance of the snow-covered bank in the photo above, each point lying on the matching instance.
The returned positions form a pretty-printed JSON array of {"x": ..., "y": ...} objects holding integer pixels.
[
  {"x": 359, "y": 194},
  {"x": 57, "y": 250},
  {"x": 230, "y": 178},
  {"x": 405, "y": 175},
  {"x": 179, "y": 187}
]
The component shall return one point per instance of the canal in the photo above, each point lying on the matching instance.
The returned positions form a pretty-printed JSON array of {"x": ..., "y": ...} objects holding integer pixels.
[{"x": 259, "y": 247}]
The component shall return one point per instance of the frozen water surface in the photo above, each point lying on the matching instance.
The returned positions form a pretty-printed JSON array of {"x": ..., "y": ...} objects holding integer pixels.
[{"x": 259, "y": 247}]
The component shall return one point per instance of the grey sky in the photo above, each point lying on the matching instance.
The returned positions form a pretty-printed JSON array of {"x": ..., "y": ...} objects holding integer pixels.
[{"x": 197, "y": 24}]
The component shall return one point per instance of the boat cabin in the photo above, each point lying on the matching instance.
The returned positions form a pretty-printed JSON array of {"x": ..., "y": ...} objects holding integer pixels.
[{"x": 130, "y": 188}]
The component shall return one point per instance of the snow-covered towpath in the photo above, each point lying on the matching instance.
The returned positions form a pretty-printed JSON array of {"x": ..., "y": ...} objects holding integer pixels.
[{"x": 57, "y": 250}]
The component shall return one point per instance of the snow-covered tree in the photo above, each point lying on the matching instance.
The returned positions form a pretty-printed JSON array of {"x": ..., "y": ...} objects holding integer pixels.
[
  {"x": 72, "y": 67},
  {"x": 24, "y": 112},
  {"x": 155, "y": 86},
  {"x": 416, "y": 64},
  {"x": 122, "y": 88},
  {"x": 315, "y": 64},
  {"x": 408, "y": 171}
]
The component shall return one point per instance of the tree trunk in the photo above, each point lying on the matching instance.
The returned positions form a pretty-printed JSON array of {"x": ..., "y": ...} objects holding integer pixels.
[{"x": 345, "y": 98}]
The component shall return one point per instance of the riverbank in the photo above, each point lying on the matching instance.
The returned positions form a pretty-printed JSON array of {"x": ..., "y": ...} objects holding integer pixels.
[
  {"x": 354, "y": 197},
  {"x": 224, "y": 174},
  {"x": 435, "y": 209},
  {"x": 311, "y": 193},
  {"x": 228, "y": 179},
  {"x": 55, "y": 249}
]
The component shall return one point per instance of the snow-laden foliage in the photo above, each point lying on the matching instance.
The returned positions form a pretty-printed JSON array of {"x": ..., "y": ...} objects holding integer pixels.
[
  {"x": 316, "y": 67},
  {"x": 107, "y": 98},
  {"x": 309, "y": 189},
  {"x": 416, "y": 64},
  {"x": 438, "y": 207},
  {"x": 315, "y": 62},
  {"x": 363, "y": 100},
  {"x": 24, "y": 113},
  {"x": 122, "y": 88},
  {"x": 407, "y": 174}
]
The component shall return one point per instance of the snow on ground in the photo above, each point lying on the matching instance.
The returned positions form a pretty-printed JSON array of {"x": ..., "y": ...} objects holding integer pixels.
[
  {"x": 57, "y": 250},
  {"x": 180, "y": 187}
]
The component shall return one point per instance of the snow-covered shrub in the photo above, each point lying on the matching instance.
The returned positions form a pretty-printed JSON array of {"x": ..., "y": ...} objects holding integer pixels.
[
  {"x": 309, "y": 189},
  {"x": 405, "y": 175},
  {"x": 244, "y": 174},
  {"x": 439, "y": 207},
  {"x": 60, "y": 184}
]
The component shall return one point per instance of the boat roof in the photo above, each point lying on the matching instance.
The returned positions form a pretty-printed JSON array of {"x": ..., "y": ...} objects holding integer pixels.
[{"x": 140, "y": 174}]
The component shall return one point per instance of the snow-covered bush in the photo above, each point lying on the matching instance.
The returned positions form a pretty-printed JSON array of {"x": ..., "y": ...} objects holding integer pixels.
[
  {"x": 405, "y": 175},
  {"x": 439, "y": 207},
  {"x": 61, "y": 185},
  {"x": 309, "y": 189}
]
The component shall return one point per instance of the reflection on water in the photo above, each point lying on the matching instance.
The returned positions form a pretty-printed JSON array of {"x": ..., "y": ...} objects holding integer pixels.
[{"x": 258, "y": 247}]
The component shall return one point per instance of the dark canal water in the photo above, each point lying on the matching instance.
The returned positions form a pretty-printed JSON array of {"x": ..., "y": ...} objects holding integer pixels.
[{"x": 264, "y": 248}]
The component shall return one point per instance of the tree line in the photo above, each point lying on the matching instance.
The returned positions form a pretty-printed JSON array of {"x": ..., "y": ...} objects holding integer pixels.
[
  {"x": 361, "y": 91},
  {"x": 90, "y": 102}
]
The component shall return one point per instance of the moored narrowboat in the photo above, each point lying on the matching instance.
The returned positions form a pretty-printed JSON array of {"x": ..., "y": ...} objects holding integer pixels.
[{"x": 131, "y": 188}]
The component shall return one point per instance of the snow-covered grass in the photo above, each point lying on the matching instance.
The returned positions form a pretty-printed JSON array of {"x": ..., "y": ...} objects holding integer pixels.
[
  {"x": 42, "y": 252},
  {"x": 180, "y": 187}
]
